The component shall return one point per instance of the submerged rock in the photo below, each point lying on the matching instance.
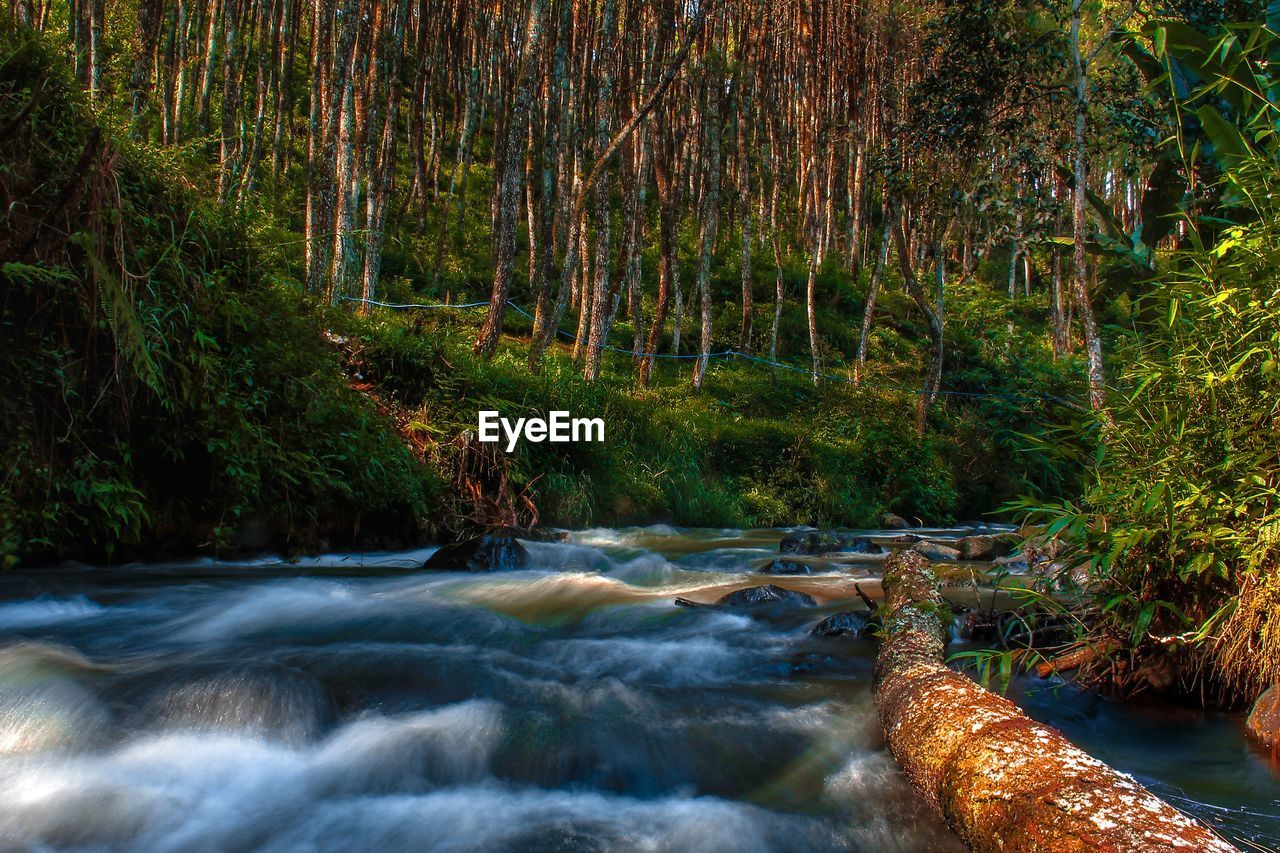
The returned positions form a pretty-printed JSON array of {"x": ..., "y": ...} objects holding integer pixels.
[
  {"x": 816, "y": 542},
  {"x": 850, "y": 623},
  {"x": 482, "y": 554},
  {"x": 1263, "y": 723},
  {"x": 780, "y": 566},
  {"x": 769, "y": 595},
  {"x": 935, "y": 552}
]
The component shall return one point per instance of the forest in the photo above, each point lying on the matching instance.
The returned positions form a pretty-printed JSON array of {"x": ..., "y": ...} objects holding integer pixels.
[{"x": 892, "y": 263}]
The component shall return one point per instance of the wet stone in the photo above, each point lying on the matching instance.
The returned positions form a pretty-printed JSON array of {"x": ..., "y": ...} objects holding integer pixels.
[
  {"x": 780, "y": 566},
  {"x": 816, "y": 542},
  {"x": 977, "y": 547},
  {"x": 1264, "y": 720},
  {"x": 766, "y": 596},
  {"x": 847, "y": 624},
  {"x": 482, "y": 554},
  {"x": 935, "y": 552}
]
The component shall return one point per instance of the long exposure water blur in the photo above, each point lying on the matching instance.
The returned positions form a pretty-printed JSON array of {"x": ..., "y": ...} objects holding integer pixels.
[{"x": 357, "y": 702}]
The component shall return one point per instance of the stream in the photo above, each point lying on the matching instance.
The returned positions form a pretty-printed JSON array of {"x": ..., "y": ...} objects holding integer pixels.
[{"x": 350, "y": 702}]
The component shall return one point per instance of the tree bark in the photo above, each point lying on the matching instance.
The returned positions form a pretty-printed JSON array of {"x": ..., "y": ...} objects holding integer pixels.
[
  {"x": 707, "y": 232},
  {"x": 744, "y": 196},
  {"x": 1080, "y": 283},
  {"x": 510, "y": 189},
  {"x": 668, "y": 268},
  {"x": 868, "y": 313},
  {"x": 1001, "y": 780},
  {"x": 932, "y": 314}
]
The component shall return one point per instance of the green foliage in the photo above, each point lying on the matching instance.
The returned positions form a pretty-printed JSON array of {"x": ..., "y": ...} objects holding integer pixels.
[
  {"x": 1180, "y": 522},
  {"x": 176, "y": 390},
  {"x": 161, "y": 393}
]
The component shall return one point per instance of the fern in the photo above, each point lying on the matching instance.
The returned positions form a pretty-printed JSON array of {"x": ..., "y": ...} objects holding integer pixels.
[{"x": 126, "y": 326}]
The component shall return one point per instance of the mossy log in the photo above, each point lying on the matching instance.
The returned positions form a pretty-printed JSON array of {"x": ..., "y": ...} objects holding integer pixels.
[
  {"x": 1001, "y": 780},
  {"x": 1076, "y": 658}
]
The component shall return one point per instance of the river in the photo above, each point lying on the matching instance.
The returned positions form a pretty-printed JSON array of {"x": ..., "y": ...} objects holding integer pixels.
[{"x": 351, "y": 702}]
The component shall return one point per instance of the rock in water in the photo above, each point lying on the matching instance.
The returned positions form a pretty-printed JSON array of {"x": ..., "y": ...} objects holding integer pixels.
[
  {"x": 848, "y": 624},
  {"x": 893, "y": 522},
  {"x": 815, "y": 542},
  {"x": 482, "y": 554},
  {"x": 1264, "y": 720},
  {"x": 977, "y": 548},
  {"x": 935, "y": 552},
  {"x": 780, "y": 566},
  {"x": 757, "y": 596}
]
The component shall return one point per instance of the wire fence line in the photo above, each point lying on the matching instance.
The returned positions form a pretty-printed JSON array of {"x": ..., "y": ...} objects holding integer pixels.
[{"x": 726, "y": 354}]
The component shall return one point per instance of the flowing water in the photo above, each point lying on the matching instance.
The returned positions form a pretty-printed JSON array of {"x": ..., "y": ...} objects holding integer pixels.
[{"x": 347, "y": 703}]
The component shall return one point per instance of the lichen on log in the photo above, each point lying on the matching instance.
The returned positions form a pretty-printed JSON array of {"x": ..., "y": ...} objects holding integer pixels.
[{"x": 1001, "y": 780}]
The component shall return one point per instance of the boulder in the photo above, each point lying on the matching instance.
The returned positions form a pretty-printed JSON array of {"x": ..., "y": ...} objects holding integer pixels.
[
  {"x": 935, "y": 552},
  {"x": 780, "y": 566},
  {"x": 482, "y": 554},
  {"x": 977, "y": 548},
  {"x": 1014, "y": 564},
  {"x": 1263, "y": 723},
  {"x": 815, "y": 542},
  {"x": 770, "y": 595},
  {"x": 850, "y": 623},
  {"x": 893, "y": 522}
]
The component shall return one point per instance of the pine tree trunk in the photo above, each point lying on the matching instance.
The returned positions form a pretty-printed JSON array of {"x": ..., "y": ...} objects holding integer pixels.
[
  {"x": 668, "y": 268},
  {"x": 509, "y": 192},
  {"x": 707, "y": 231}
]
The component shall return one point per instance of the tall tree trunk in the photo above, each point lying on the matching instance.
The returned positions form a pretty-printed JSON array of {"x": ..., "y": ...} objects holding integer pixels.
[
  {"x": 932, "y": 314},
  {"x": 382, "y": 164},
  {"x": 210, "y": 63},
  {"x": 635, "y": 248},
  {"x": 668, "y": 268},
  {"x": 229, "y": 144},
  {"x": 868, "y": 313},
  {"x": 1080, "y": 283},
  {"x": 775, "y": 243},
  {"x": 744, "y": 195},
  {"x": 147, "y": 34},
  {"x": 599, "y": 293},
  {"x": 510, "y": 190},
  {"x": 316, "y": 227},
  {"x": 707, "y": 231},
  {"x": 97, "y": 23},
  {"x": 1058, "y": 308}
]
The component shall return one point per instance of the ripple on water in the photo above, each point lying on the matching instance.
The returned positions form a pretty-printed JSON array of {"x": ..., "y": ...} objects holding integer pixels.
[{"x": 46, "y": 610}]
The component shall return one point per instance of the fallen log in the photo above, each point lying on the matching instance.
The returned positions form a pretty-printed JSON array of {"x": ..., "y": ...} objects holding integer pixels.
[
  {"x": 1076, "y": 658},
  {"x": 1001, "y": 780}
]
